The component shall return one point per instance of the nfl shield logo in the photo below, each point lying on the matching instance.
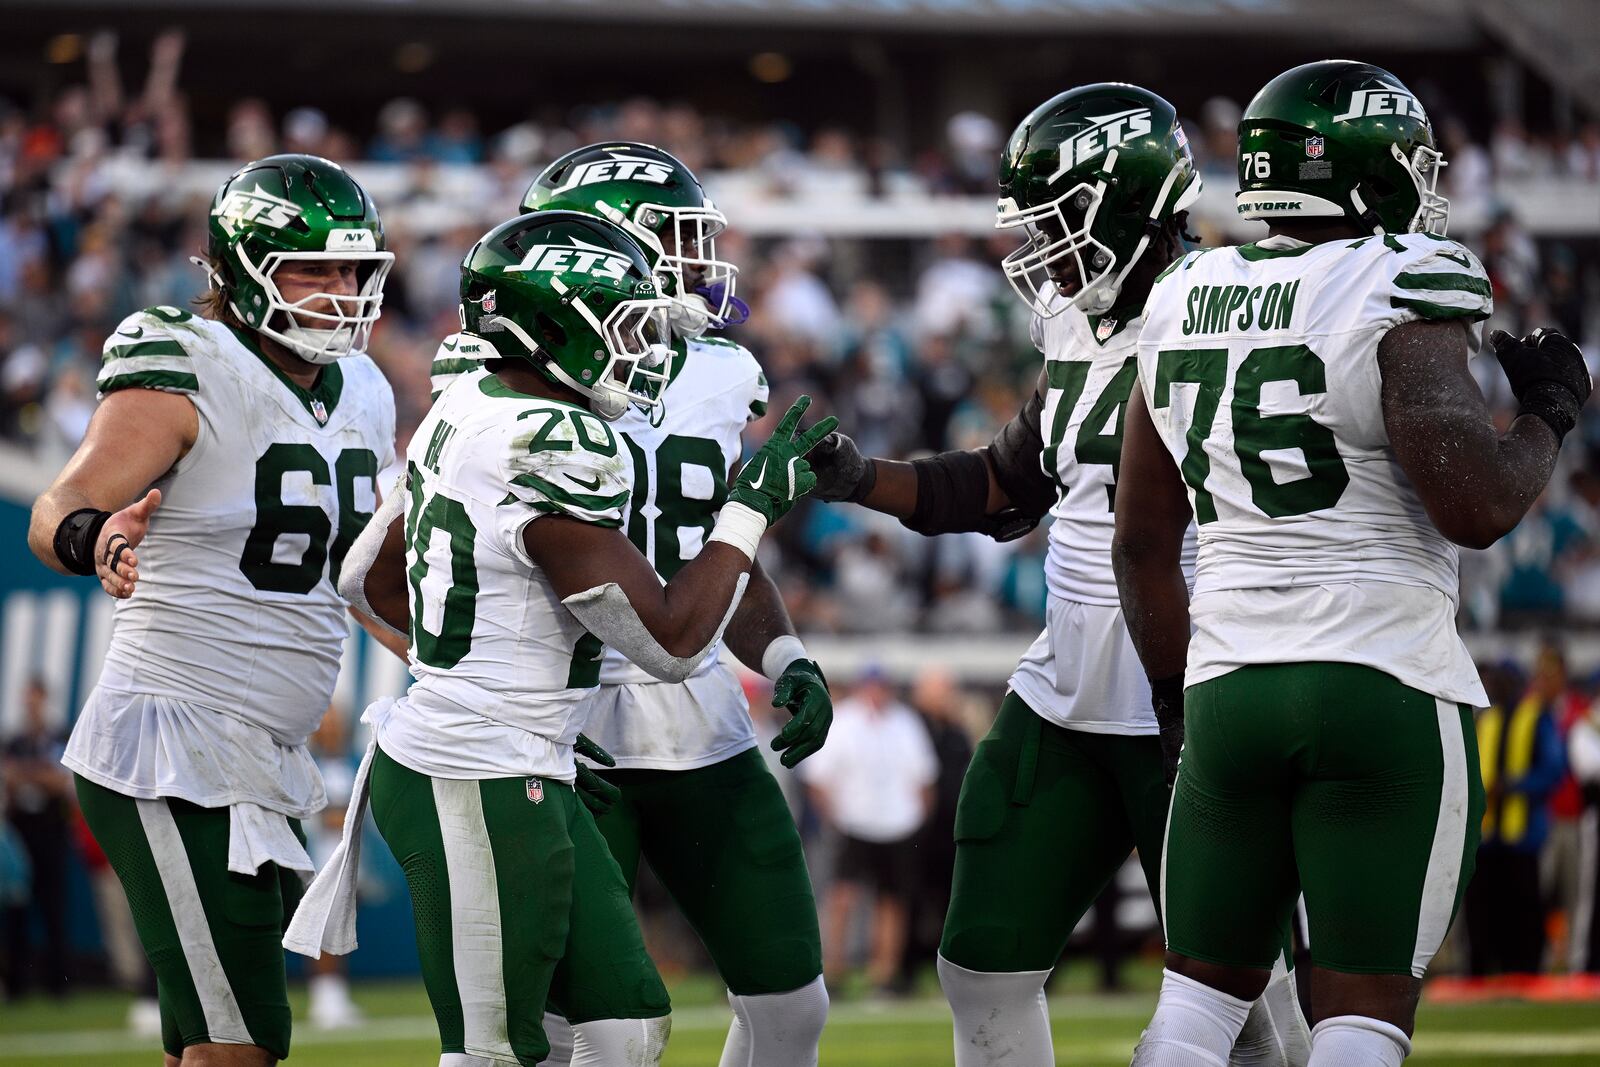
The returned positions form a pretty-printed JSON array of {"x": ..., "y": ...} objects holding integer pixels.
[
  {"x": 319, "y": 411},
  {"x": 488, "y": 302},
  {"x": 1314, "y": 147},
  {"x": 536, "y": 790}
]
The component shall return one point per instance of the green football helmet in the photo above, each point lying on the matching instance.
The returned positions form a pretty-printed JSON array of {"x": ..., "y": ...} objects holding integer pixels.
[
  {"x": 1340, "y": 139},
  {"x": 296, "y": 207},
  {"x": 661, "y": 204},
  {"x": 1092, "y": 174},
  {"x": 575, "y": 296}
]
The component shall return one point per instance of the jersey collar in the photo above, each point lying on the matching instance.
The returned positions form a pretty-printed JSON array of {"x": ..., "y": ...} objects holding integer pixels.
[
  {"x": 323, "y": 396},
  {"x": 1278, "y": 246}
]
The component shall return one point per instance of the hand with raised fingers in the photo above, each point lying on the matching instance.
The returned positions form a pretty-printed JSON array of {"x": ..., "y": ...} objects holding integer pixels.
[
  {"x": 116, "y": 563},
  {"x": 778, "y": 474}
]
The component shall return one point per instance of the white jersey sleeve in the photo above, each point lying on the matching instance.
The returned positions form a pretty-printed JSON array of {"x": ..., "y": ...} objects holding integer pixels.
[
  {"x": 1433, "y": 279},
  {"x": 456, "y": 355},
  {"x": 566, "y": 461},
  {"x": 147, "y": 352}
]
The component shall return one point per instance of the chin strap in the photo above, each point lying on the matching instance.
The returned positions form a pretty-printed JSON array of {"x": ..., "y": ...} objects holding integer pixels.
[{"x": 1368, "y": 217}]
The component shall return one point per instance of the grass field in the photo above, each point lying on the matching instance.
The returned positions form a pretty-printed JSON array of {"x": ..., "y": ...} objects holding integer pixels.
[{"x": 1090, "y": 1031}]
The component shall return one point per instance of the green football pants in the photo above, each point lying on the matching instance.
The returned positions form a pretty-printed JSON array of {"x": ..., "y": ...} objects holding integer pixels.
[
  {"x": 1329, "y": 778},
  {"x": 724, "y": 845},
  {"x": 516, "y": 900},
  {"x": 213, "y": 937},
  {"x": 1046, "y": 817}
]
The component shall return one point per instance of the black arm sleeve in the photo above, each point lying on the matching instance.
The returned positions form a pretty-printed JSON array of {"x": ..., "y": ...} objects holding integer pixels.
[
  {"x": 1015, "y": 455},
  {"x": 953, "y": 487}
]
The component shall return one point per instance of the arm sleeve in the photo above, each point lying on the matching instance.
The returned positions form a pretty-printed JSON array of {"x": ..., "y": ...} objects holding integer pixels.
[
  {"x": 145, "y": 352},
  {"x": 606, "y": 612},
  {"x": 1015, "y": 453},
  {"x": 364, "y": 552}
]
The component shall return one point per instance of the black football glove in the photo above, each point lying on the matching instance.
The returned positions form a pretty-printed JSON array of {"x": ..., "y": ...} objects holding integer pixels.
[
  {"x": 1166, "y": 696},
  {"x": 843, "y": 473},
  {"x": 1547, "y": 375}
]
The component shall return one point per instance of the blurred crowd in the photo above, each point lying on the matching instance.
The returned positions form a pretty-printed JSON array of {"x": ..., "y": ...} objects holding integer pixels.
[{"x": 917, "y": 344}]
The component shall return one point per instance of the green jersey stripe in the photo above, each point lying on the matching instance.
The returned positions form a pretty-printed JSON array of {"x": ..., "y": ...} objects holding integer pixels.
[
  {"x": 596, "y": 520},
  {"x": 567, "y": 498},
  {"x": 165, "y": 380},
  {"x": 1430, "y": 310},
  {"x": 166, "y": 347},
  {"x": 1475, "y": 284},
  {"x": 453, "y": 365}
]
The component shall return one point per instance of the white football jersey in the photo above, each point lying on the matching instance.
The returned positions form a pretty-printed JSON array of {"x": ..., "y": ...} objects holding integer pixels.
[
  {"x": 502, "y": 667},
  {"x": 1083, "y": 680},
  {"x": 1259, "y": 365},
  {"x": 680, "y": 480},
  {"x": 236, "y": 608}
]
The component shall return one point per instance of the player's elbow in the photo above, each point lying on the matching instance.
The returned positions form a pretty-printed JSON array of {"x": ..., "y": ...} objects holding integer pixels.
[
  {"x": 352, "y": 586},
  {"x": 1474, "y": 524}
]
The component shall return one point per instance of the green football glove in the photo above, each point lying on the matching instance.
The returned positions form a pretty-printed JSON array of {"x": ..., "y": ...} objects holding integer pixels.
[
  {"x": 778, "y": 475},
  {"x": 597, "y": 794},
  {"x": 803, "y": 690}
]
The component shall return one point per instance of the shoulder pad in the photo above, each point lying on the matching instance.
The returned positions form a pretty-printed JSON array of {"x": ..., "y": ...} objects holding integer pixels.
[{"x": 151, "y": 349}]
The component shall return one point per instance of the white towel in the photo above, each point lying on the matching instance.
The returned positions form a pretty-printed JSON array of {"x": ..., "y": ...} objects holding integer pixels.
[
  {"x": 325, "y": 921},
  {"x": 257, "y": 836}
]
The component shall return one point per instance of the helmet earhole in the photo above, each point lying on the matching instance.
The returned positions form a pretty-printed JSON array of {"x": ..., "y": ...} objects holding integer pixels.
[
  {"x": 1082, "y": 201},
  {"x": 1101, "y": 259}
]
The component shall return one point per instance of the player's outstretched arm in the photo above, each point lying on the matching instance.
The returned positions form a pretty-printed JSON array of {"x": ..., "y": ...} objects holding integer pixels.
[
  {"x": 612, "y": 589},
  {"x": 102, "y": 497},
  {"x": 1146, "y": 553},
  {"x": 999, "y": 490},
  {"x": 1475, "y": 483}
]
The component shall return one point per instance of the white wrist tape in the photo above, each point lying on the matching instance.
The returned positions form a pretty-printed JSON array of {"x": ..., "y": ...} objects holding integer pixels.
[
  {"x": 364, "y": 552},
  {"x": 784, "y": 650},
  {"x": 606, "y": 612},
  {"x": 741, "y": 526}
]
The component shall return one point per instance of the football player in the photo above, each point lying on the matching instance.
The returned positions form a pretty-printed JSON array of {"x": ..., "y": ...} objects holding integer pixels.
[
  {"x": 697, "y": 801},
  {"x": 1306, "y": 399},
  {"x": 230, "y": 464},
  {"x": 1071, "y": 776},
  {"x": 512, "y": 571}
]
